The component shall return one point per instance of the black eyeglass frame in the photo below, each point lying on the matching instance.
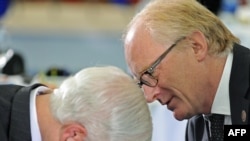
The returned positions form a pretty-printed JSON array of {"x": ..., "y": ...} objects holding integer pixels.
[{"x": 151, "y": 69}]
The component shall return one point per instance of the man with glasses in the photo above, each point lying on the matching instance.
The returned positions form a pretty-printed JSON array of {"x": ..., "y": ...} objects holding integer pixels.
[{"x": 183, "y": 56}]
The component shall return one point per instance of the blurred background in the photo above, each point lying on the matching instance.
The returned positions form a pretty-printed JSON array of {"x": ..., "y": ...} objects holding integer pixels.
[
  {"x": 67, "y": 35},
  {"x": 48, "y": 40},
  {"x": 63, "y": 36}
]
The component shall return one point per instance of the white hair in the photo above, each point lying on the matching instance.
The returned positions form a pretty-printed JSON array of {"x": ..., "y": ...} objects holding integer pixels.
[{"x": 107, "y": 102}]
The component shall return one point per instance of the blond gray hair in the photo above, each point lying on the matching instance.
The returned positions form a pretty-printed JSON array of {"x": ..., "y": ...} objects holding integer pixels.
[{"x": 168, "y": 20}]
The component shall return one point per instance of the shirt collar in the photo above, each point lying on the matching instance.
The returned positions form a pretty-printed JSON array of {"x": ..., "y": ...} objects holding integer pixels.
[
  {"x": 35, "y": 130},
  {"x": 221, "y": 104}
]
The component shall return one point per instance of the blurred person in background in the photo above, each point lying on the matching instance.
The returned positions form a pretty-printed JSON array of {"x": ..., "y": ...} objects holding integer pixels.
[
  {"x": 184, "y": 57},
  {"x": 12, "y": 63},
  {"x": 97, "y": 103},
  {"x": 213, "y": 5}
]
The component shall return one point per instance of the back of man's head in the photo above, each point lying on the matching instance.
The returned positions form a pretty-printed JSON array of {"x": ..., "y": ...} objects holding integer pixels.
[{"x": 107, "y": 102}]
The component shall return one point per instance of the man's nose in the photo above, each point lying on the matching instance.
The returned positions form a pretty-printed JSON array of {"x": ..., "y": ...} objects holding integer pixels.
[{"x": 150, "y": 93}]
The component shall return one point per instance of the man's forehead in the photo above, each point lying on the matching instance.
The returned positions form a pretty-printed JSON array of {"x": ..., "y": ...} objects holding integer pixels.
[
  {"x": 134, "y": 32},
  {"x": 140, "y": 49},
  {"x": 134, "y": 49}
]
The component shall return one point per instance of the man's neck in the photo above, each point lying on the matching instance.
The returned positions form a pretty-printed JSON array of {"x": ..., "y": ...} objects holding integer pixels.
[{"x": 48, "y": 126}]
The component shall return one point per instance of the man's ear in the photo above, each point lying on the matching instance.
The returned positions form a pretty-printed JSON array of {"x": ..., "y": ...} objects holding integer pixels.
[
  {"x": 199, "y": 45},
  {"x": 73, "y": 132}
]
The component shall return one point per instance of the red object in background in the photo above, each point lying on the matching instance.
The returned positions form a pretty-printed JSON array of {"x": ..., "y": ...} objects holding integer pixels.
[
  {"x": 125, "y": 2},
  {"x": 134, "y": 1},
  {"x": 72, "y": 1},
  {"x": 243, "y": 2}
]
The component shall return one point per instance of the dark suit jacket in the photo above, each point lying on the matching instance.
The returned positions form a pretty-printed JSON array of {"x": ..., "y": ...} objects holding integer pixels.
[
  {"x": 239, "y": 94},
  {"x": 15, "y": 112}
]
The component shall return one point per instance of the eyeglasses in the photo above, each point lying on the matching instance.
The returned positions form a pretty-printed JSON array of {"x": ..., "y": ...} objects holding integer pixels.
[{"x": 146, "y": 77}]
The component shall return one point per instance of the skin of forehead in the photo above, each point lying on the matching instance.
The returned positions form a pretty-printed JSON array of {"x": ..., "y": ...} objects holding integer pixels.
[{"x": 140, "y": 49}]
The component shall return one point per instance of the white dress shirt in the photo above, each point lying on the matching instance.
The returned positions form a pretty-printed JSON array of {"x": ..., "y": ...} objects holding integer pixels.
[
  {"x": 35, "y": 131},
  {"x": 221, "y": 104}
]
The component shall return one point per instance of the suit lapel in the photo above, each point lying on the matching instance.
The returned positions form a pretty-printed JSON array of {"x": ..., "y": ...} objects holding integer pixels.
[
  {"x": 239, "y": 85},
  {"x": 20, "y": 116}
]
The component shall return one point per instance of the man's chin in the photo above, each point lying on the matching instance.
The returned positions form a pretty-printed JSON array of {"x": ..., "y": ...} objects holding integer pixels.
[{"x": 179, "y": 116}]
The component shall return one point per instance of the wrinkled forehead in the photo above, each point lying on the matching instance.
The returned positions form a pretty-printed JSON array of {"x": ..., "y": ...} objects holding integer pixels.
[{"x": 140, "y": 49}]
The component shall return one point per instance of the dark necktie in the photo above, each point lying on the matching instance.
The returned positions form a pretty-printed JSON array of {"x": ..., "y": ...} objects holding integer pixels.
[{"x": 217, "y": 124}]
